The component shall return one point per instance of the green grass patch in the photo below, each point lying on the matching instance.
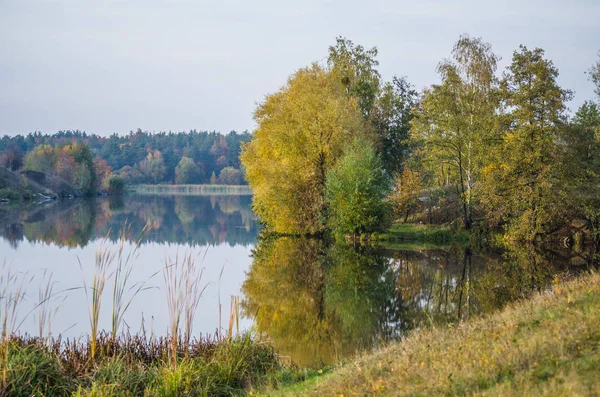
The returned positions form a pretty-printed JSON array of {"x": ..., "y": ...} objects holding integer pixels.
[
  {"x": 438, "y": 234},
  {"x": 137, "y": 367},
  {"x": 546, "y": 345}
]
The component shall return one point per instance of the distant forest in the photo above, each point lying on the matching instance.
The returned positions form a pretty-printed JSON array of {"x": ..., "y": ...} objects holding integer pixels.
[{"x": 193, "y": 157}]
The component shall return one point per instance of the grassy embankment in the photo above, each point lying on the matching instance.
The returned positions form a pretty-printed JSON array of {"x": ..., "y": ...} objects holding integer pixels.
[
  {"x": 120, "y": 364},
  {"x": 546, "y": 345},
  {"x": 206, "y": 190},
  {"x": 14, "y": 187}
]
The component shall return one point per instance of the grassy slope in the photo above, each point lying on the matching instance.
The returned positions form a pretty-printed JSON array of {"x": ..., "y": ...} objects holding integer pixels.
[
  {"x": 19, "y": 185},
  {"x": 547, "y": 345}
]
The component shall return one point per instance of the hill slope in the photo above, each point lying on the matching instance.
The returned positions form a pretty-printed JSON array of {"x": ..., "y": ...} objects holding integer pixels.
[
  {"x": 27, "y": 184},
  {"x": 548, "y": 345}
]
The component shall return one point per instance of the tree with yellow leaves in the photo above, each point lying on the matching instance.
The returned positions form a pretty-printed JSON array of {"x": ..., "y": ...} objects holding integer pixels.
[{"x": 302, "y": 132}]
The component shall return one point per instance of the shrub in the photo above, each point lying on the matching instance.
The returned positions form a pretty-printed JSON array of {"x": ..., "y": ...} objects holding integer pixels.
[{"x": 116, "y": 185}]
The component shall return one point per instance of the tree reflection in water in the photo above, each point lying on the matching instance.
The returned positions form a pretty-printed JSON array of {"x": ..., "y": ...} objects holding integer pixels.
[
  {"x": 197, "y": 220},
  {"x": 319, "y": 302}
]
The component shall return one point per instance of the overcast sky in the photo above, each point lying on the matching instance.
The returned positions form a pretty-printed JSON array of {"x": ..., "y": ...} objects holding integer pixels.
[{"x": 113, "y": 66}]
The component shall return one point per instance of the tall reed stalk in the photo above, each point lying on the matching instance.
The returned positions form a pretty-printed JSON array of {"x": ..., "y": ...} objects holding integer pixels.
[
  {"x": 183, "y": 289},
  {"x": 234, "y": 316},
  {"x": 120, "y": 300},
  {"x": 104, "y": 258},
  {"x": 12, "y": 294},
  {"x": 47, "y": 311}
]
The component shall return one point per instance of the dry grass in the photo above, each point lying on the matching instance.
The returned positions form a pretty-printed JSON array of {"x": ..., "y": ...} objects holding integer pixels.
[
  {"x": 547, "y": 345},
  {"x": 193, "y": 190},
  {"x": 183, "y": 289}
]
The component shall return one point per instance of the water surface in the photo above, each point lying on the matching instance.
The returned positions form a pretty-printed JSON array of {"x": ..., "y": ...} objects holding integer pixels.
[
  {"x": 317, "y": 302},
  {"x": 62, "y": 238}
]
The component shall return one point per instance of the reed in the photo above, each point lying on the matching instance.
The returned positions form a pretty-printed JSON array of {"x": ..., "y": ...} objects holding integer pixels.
[
  {"x": 191, "y": 190},
  {"x": 12, "y": 295},
  {"x": 47, "y": 311},
  {"x": 120, "y": 300},
  {"x": 234, "y": 315},
  {"x": 104, "y": 258},
  {"x": 183, "y": 290}
]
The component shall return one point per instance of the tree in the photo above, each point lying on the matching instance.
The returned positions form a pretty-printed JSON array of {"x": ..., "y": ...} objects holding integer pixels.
[
  {"x": 405, "y": 198},
  {"x": 213, "y": 179},
  {"x": 116, "y": 185},
  {"x": 355, "y": 68},
  {"x": 42, "y": 158},
  {"x": 355, "y": 190},
  {"x": 84, "y": 175},
  {"x": 230, "y": 176},
  {"x": 188, "y": 172},
  {"x": 65, "y": 165},
  {"x": 456, "y": 118},
  {"x": 153, "y": 166},
  {"x": 130, "y": 174},
  {"x": 103, "y": 172},
  {"x": 302, "y": 131},
  {"x": 594, "y": 73},
  {"x": 582, "y": 165},
  {"x": 11, "y": 158},
  {"x": 525, "y": 187},
  {"x": 391, "y": 117}
]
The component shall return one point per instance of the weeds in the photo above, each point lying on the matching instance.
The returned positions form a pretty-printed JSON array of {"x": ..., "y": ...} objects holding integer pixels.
[
  {"x": 182, "y": 286},
  {"x": 12, "y": 295},
  {"x": 104, "y": 258},
  {"x": 120, "y": 302}
]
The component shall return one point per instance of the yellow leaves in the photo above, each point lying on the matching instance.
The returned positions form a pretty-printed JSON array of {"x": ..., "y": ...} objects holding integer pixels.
[{"x": 301, "y": 132}]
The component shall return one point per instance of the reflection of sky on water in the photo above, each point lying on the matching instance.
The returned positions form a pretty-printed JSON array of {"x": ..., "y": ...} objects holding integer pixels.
[
  {"x": 315, "y": 301},
  {"x": 56, "y": 236},
  {"x": 73, "y": 317}
]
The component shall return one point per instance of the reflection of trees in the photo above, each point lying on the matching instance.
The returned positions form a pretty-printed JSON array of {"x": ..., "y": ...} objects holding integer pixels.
[
  {"x": 189, "y": 219},
  {"x": 67, "y": 223},
  {"x": 318, "y": 303}
]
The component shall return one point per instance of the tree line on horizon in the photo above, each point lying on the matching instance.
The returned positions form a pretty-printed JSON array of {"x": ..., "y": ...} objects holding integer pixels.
[
  {"x": 337, "y": 148},
  {"x": 140, "y": 157}
]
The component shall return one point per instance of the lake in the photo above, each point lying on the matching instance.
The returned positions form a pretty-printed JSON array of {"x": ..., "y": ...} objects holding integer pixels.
[{"x": 315, "y": 301}]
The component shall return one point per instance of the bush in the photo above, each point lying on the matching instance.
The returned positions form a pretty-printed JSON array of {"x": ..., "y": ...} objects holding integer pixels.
[
  {"x": 355, "y": 190},
  {"x": 116, "y": 185}
]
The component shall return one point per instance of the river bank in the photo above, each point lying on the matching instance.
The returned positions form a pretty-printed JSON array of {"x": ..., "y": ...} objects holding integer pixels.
[{"x": 546, "y": 345}]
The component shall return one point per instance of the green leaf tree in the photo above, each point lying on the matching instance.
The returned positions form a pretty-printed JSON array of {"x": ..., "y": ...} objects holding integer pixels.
[
  {"x": 230, "y": 176},
  {"x": 456, "y": 119},
  {"x": 391, "y": 117},
  {"x": 525, "y": 184},
  {"x": 594, "y": 73},
  {"x": 355, "y": 190},
  {"x": 153, "y": 166},
  {"x": 188, "y": 172},
  {"x": 356, "y": 69}
]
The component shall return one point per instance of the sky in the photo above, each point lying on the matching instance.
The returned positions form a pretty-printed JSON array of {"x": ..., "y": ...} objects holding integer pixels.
[{"x": 114, "y": 66}]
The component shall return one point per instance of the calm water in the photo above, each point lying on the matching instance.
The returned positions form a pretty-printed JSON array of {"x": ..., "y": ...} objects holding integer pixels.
[
  {"x": 219, "y": 231},
  {"x": 316, "y": 302}
]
